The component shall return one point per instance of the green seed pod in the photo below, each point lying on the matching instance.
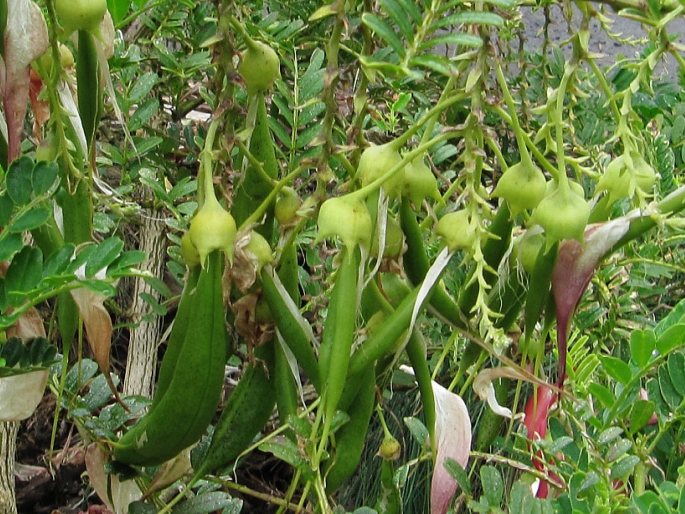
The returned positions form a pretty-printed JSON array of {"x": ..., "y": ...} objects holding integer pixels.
[
  {"x": 80, "y": 14},
  {"x": 457, "y": 230},
  {"x": 522, "y": 186},
  {"x": 375, "y": 162},
  {"x": 419, "y": 182},
  {"x": 260, "y": 67},
  {"x": 617, "y": 180},
  {"x": 189, "y": 252},
  {"x": 287, "y": 205},
  {"x": 348, "y": 218},
  {"x": 212, "y": 228},
  {"x": 563, "y": 214}
]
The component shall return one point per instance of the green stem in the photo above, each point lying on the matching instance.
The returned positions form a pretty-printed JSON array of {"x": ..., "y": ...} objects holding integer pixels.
[
  {"x": 518, "y": 131},
  {"x": 206, "y": 189},
  {"x": 562, "y": 179}
]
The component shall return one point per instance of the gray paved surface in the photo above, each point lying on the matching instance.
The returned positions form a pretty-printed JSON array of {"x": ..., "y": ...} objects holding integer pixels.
[{"x": 599, "y": 41}]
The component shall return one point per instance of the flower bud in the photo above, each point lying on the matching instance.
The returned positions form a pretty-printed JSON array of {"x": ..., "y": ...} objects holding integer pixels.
[
  {"x": 457, "y": 230},
  {"x": 645, "y": 176},
  {"x": 345, "y": 217},
  {"x": 260, "y": 67},
  {"x": 375, "y": 162},
  {"x": 390, "y": 448},
  {"x": 617, "y": 180},
  {"x": 287, "y": 205},
  {"x": 563, "y": 214},
  {"x": 419, "y": 182},
  {"x": 212, "y": 228},
  {"x": 522, "y": 186}
]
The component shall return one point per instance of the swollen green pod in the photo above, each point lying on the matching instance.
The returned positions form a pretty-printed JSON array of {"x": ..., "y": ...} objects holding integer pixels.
[
  {"x": 247, "y": 410},
  {"x": 181, "y": 414}
]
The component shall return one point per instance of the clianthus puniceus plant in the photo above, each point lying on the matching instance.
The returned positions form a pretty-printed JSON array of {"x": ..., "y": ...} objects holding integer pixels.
[{"x": 438, "y": 236}]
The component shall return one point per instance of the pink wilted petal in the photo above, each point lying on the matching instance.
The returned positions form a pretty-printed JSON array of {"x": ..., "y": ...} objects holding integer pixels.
[
  {"x": 453, "y": 434},
  {"x": 573, "y": 270},
  {"x": 536, "y": 421},
  {"x": 26, "y": 38}
]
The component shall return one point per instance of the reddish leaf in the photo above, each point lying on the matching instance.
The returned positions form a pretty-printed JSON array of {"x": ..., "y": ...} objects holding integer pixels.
[
  {"x": 26, "y": 38},
  {"x": 573, "y": 270}
]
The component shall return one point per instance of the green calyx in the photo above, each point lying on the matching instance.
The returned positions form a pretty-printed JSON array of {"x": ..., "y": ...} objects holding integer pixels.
[
  {"x": 626, "y": 174},
  {"x": 522, "y": 186},
  {"x": 458, "y": 230},
  {"x": 347, "y": 218},
  {"x": 394, "y": 240},
  {"x": 80, "y": 14},
  {"x": 212, "y": 228},
  {"x": 563, "y": 214},
  {"x": 376, "y": 161},
  {"x": 527, "y": 248},
  {"x": 419, "y": 182},
  {"x": 260, "y": 67}
]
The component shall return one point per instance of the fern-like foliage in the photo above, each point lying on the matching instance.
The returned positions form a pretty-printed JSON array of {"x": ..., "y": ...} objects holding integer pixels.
[{"x": 423, "y": 38}]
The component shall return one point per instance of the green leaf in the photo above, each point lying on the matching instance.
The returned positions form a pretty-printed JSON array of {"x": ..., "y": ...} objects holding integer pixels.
[
  {"x": 208, "y": 502},
  {"x": 44, "y": 176},
  {"x": 654, "y": 394},
  {"x": 642, "y": 345},
  {"x": 640, "y": 414},
  {"x": 118, "y": 9},
  {"x": 126, "y": 261},
  {"x": 671, "y": 338},
  {"x": 668, "y": 391},
  {"x": 455, "y": 38},
  {"x": 18, "y": 180},
  {"x": 603, "y": 394},
  {"x": 434, "y": 63},
  {"x": 470, "y": 18},
  {"x": 143, "y": 114},
  {"x": 6, "y": 208},
  {"x": 25, "y": 271},
  {"x": 417, "y": 429},
  {"x": 57, "y": 262},
  {"x": 676, "y": 369},
  {"x": 616, "y": 368},
  {"x": 619, "y": 448},
  {"x": 30, "y": 220},
  {"x": 106, "y": 253},
  {"x": 287, "y": 451},
  {"x": 395, "y": 11},
  {"x": 142, "y": 86},
  {"x": 609, "y": 435},
  {"x": 384, "y": 31},
  {"x": 457, "y": 472},
  {"x": 675, "y": 316},
  {"x": 10, "y": 245},
  {"x": 624, "y": 466},
  {"x": 493, "y": 485}
]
